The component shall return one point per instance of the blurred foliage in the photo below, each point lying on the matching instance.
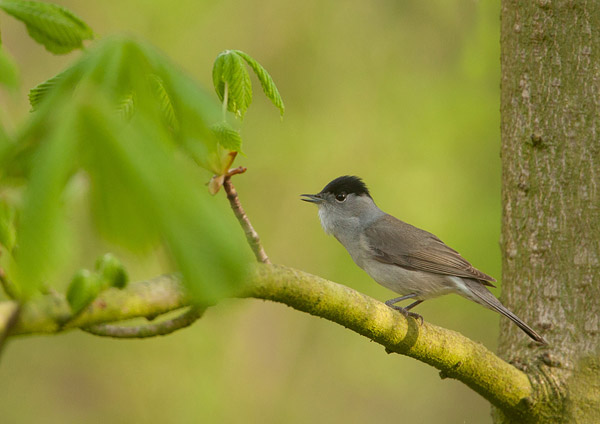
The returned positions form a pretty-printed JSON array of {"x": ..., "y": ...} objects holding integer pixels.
[
  {"x": 55, "y": 27},
  {"x": 120, "y": 113},
  {"x": 404, "y": 94},
  {"x": 140, "y": 190},
  {"x": 8, "y": 232},
  {"x": 9, "y": 75},
  {"x": 86, "y": 285}
]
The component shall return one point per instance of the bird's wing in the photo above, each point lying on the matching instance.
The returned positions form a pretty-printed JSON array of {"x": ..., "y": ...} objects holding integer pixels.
[{"x": 398, "y": 243}]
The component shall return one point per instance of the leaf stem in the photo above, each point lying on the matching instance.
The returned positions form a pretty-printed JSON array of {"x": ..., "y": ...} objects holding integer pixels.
[{"x": 225, "y": 101}]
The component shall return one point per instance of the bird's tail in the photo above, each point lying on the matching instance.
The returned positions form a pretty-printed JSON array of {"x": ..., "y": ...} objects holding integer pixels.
[{"x": 484, "y": 297}]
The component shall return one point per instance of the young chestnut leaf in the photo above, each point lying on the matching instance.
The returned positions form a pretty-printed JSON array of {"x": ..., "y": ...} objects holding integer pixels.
[
  {"x": 9, "y": 75},
  {"x": 267, "y": 83},
  {"x": 40, "y": 91},
  {"x": 228, "y": 137},
  {"x": 8, "y": 233},
  {"x": 55, "y": 27},
  {"x": 126, "y": 107},
  {"x": 233, "y": 87},
  {"x": 166, "y": 104},
  {"x": 230, "y": 144},
  {"x": 141, "y": 190},
  {"x": 232, "y": 82},
  {"x": 42, "y": 232},
  {"x": 83, "y": 289},
  {"x": 111, "y": 271},
  {"x": 231, "y": 78}
]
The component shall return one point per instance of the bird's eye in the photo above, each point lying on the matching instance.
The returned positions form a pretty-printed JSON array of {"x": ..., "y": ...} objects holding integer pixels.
[{"x": 340, "y": 197}]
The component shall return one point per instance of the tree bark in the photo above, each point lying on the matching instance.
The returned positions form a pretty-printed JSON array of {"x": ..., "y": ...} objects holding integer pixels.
[{"x": 550, "y": 107}]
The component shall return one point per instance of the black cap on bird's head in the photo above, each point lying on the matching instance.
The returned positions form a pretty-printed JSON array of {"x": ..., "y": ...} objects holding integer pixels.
[
  {"x": 340, "y": 188},
  {"x": 347, "y": 184}
]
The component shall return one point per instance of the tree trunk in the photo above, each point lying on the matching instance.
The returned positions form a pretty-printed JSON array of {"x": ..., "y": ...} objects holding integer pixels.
[{"x": 550, "y": 106}]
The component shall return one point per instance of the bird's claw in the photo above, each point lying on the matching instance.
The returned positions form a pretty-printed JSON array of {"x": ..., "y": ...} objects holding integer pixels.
[{"x": 407, "y": 314}]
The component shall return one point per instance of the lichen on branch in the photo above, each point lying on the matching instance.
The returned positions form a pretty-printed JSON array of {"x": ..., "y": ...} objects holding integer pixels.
[{"x": 453, "y": 354}]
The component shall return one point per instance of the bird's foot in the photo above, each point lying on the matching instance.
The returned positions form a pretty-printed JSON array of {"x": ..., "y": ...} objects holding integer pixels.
[{"x": 407, "y": 313}]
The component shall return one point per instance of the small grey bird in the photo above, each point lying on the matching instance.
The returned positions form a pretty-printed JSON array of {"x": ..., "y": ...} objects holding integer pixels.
[{"x": 405, "y": 259}]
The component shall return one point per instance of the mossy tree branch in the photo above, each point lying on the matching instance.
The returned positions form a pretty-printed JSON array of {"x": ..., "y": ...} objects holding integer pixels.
[{"x": 453, "y": 354}]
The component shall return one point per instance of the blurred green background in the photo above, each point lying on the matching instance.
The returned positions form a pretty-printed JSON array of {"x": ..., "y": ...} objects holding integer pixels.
[{"x": 405, "y": 95}]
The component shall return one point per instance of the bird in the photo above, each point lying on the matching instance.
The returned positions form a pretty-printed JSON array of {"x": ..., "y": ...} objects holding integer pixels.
[{"x": 410, "y": 261}]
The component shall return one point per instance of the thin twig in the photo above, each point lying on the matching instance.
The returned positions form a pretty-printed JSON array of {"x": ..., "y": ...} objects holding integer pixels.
[
  {"x": 150, "y": 330},
  {"x": 238, "y": 210},
  {"x": 235, "y": 171}
]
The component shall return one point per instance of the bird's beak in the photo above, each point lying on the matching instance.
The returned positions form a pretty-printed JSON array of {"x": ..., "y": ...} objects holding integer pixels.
[{"x": 312, "y": 198}]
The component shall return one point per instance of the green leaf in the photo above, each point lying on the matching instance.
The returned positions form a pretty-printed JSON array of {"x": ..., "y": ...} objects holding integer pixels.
[
  {"x": 8, "y": 232},
  {"x": 55, "y": 27},
  {"x": 40, "y": 91},
  {"x": 6, "y": 150},
  {"x": 126, "y": 70},
  {"x": 143, "y": 190},
  {"x": 228, "y": 137},
  {"x": 164, "y": 196},
  {"x": 112, "y": 271},
  {"x": 83, "y": 289},
  {"x": 115, "y": 194},
  {"x": 231, "y": 77},
  {"x": 9, "y": 75},
  {"x": 268, "y": 86},
  {"x": 126, "y": 107},
  {"x": 41, "y": 233},
  {"x": 194, "y": 110},
  {"x": 166, "y": 105}
]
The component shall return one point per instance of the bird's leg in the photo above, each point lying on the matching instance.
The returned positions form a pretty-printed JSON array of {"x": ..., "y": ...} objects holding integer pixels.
[
  {"x": 392, "y": 302},
  {"x": 405, "y": 311},
  {"x": 412, "y": 305}
]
